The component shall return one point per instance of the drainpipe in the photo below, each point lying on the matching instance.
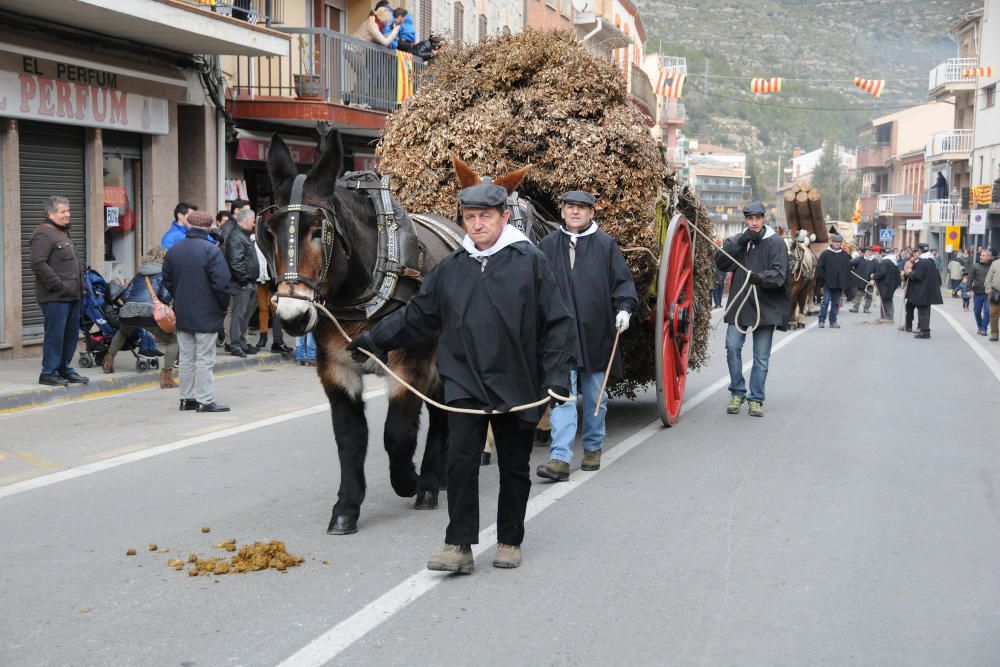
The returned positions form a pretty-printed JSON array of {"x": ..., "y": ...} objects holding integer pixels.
[
  {"x": 220, "y": 125},
  {"x": 600, "y": 24}
]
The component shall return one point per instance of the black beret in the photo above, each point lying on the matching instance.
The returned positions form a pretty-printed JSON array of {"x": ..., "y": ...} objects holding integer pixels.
[
  {"x": 484, "y": 195},
  {"x": 578, "y": 197}
]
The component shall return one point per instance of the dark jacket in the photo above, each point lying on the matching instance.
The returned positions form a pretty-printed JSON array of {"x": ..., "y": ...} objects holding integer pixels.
[
  {"x": 596, "y": 288},
  {"x": 769, "y": 259},
  {"x": 241, "y": 257},
  {"x": 506, "y": 333},
  {"x": 137, "y": 308},
  {"x": 196, "y": 275},
  {"x": 834, "y": 269},
  {"x": 924, "y": 288},
  {"x": 57, "y": 267},
  {"x": 977, "y": 277},
  {"x": 864, "y": 268},
  {"x": 227, "y": 228},
  {"x": 887, "y": 278}
]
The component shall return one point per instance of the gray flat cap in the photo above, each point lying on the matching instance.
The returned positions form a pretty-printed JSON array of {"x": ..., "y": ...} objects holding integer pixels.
[
  {"x": 484, "y": 195},
  {"x": 578, "y": 197}
]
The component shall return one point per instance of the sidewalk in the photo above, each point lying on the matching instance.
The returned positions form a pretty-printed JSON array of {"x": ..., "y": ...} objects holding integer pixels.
[{"x": 19, "y": 388}]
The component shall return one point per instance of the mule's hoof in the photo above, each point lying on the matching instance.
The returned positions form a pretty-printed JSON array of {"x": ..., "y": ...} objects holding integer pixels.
[
  {"x": 342, "y": 525},
  {"x": 426, "y": 500},
  {"x": 485, "y": 460}
]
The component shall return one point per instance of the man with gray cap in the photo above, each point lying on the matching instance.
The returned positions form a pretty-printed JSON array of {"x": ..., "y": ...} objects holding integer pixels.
[
  {"x": 922, "y": 292},
  {"x": 760, "y": 301},
  {"x": 834, "y": 270},
  {"x": 196, "y": 275},
  {"x": 598, "y": 288},
  {"x": 506, "y": 336}
]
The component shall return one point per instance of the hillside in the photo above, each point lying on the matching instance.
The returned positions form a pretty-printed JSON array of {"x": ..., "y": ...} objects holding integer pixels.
[{"x": 822, "y": 44}]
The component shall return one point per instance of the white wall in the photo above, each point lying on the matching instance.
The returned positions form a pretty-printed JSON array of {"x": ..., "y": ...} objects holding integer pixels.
[{"x": 987, "y": 135}]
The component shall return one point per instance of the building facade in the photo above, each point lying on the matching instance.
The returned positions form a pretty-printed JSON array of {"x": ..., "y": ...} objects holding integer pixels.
[
  {"x": 122, "y": 127},
  {"x": 985, "y": 166}
]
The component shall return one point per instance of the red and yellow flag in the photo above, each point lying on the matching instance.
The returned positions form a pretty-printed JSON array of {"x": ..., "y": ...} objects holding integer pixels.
[
  {"x": 670, "y": 83},
  {"x": 857, "y": 211},
  {"x": 871, "y": 86},
  {"x": 772, "y": 85},
  {"x": 973, "y": 72},
  {"x": 404, "y": 76}
]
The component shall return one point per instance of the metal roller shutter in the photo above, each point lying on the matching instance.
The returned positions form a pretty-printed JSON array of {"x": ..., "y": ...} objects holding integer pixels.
[{"x": 52, "y": 163}]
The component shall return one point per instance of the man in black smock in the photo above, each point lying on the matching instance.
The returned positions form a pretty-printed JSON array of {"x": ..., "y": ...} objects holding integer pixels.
[
  {"x": 834, "y": 270},
  {"x": 506, "y": 336},
  {"x": 600, "y": 293},
  {"x": 762, "y": 251},
  {"x": 924, "y": 291}
]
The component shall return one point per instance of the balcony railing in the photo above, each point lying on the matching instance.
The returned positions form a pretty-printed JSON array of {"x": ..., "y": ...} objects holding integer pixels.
[
  {"x": 672, "y": 112},
  {"x": 944, "y": 212},
  {"x": 895, "y": 205},
  {"x": 327, "y": 65},
  {"x": 950, "y": 145},
  {"x": 267, "y": 12},
  {"x": 673, "y": 64},
  {"x": 873, "y": 156},
  {"x": 641, "y": 90},
  {"x": 949, "y": 73}
]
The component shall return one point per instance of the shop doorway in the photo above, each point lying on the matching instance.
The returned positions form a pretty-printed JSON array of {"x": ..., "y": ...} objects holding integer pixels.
[{"x": 122, "y": 205}]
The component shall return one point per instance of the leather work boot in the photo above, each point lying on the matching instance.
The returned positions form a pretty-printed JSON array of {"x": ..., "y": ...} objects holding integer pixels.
[
  {"x": 735, "y": 403},
  {"x": 557, "y": 471},
  {"x": 455, "y": 558},
  {"x": 591, "y": 460},
  {"x": 756, "y": 409},
  {"x": 508, "y": 556}
]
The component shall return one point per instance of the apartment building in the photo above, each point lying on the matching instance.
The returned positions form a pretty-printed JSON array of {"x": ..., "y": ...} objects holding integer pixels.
[{"x": 985, "y": 165}]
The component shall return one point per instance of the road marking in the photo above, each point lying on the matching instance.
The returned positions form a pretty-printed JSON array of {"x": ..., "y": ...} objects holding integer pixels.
[
  {"x": 988, "y": 359},
  {"x": 107, "y": 464},
  {"x": 36, "y": 461},
  {"x": 337, "y": 639}
]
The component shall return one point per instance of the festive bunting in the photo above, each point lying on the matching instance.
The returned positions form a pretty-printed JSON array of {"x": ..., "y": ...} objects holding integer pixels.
[
  {"x": 981, "y": 194},
  {"x": 772, "y": 85},
  {"x": 972, "y": 72},
  {"x": 871, "y": 86},
  {"x": 670, "y": 83},
  {"x": 404, "y": 76}
]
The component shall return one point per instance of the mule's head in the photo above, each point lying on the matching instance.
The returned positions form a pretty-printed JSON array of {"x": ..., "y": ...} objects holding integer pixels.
[{"x": 299, "y": 239}]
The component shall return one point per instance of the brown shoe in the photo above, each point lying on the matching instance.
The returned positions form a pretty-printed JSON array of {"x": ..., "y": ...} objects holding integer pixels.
[
  {"x": 109, "y": 364},
  {"x": 167, "y": 379},
  {"x": 455, "y": 558},
  {"x": 591, "y": 460},
  {"x": 557, "y": 471},
  {"x": 508, "y": 556}
]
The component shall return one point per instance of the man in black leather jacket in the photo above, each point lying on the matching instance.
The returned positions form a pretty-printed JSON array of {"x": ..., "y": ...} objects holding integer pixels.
[{"x": 245, "y": 269}]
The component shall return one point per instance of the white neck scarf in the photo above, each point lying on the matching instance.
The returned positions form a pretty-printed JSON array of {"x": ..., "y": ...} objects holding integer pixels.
[
  {"x": 510, "y": 234},
  {"x": 575, "y": 235}
]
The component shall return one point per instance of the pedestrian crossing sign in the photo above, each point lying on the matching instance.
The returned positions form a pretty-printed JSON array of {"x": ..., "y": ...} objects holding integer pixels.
[{"x": 885, "y": 235}]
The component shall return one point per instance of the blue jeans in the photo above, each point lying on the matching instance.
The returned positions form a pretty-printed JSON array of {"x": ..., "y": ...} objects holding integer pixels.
[
  {"x": 564, "y": 417},
  {"x": 981, "y": 308},
  {"x": 831, "y": 300},
  {"x": 305, "y": 347},
  {"x": 734, "y": 358},
  {"x": 62, "y": 330}
]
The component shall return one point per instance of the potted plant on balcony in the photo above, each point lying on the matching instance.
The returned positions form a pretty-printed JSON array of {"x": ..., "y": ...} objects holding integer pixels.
[{"x": 308, "y": 84}]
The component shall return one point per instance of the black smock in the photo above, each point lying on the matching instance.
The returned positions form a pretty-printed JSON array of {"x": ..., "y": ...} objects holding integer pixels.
[
  {"x": 506, "y": 333},
  {"x": 887, "y": 278},
  {"x": 864, "y": 268},
  {"x": 925, "y": 284},
  {"x": 834, "y": 269},
  {"x": 596, "y": 288},
  {"x": 768, "y": 258}
]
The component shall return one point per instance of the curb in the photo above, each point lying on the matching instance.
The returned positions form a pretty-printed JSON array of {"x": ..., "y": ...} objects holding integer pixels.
[{"x": 109, "y": 385}]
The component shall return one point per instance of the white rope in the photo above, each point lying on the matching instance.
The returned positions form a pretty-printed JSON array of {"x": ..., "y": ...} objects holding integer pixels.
[
  {"x": 869, "y": 284},
  {"x": 750, "y": 293},
  {"x": 430, "y": 401}
]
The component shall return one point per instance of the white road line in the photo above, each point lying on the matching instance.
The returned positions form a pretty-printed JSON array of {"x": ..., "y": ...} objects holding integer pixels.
[
  {"x": 107, "y": 464},
  {"x": 337, "y": 639},
  {"x": 988, "y": 359}
]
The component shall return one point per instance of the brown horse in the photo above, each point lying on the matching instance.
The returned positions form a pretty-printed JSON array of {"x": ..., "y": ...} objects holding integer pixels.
[
  {"x": 802, "y": 267},
  {"x": 325, "y": 248}
]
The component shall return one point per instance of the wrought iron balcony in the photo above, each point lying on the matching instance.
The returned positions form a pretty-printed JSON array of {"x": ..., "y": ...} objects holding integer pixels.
[{"x": 266, "y": 12}]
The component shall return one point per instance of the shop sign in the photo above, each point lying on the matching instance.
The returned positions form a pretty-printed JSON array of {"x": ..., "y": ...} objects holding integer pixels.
[
  {"x": 916, "y": 225},
  {"x": 256, "y": 149},
  {"x": 111, "y": 217},
  {"x": 115, "y": 195},
  {"x": 363, "y": 162},
  {"x": 64, "y": 93}
]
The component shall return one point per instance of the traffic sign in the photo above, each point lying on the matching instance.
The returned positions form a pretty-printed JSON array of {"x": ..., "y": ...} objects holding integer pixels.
[{"x": 885, "y": 235}]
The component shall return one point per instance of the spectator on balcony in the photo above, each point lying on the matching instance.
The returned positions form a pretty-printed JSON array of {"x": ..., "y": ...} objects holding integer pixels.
[
  {"x": 407, "y": 33},
  {"x": 941, "y": 186},
  {"x": 371, "y": 30}
]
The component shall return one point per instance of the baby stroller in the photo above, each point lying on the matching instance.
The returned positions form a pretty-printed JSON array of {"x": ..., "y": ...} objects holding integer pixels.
[{"x": 99, "y": 322}]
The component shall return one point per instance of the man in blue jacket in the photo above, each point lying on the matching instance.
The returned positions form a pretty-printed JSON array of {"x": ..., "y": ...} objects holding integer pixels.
[
  {"x": 196, "y": 275},
  {"x": 179, "y": 227}
]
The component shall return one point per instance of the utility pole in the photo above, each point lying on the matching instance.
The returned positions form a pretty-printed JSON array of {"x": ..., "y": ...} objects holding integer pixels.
[{"x": 704, "y": 86}]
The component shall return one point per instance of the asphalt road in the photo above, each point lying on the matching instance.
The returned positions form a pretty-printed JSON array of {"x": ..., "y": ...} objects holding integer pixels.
[{"x": 857, "y": 523}]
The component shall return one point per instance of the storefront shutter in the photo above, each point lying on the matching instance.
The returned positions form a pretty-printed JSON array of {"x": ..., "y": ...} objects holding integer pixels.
[{"x": 52, "y": 163}]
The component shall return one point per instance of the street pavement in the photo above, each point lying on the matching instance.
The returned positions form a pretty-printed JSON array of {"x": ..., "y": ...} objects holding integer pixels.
[{"x": 856, "y": 523}]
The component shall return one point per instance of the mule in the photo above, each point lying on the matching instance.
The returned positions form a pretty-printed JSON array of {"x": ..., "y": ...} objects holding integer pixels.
[{"x": 802, "y": 267}]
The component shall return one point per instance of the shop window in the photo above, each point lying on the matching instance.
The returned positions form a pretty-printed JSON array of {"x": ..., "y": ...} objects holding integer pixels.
[{"x": 122, "y": 238}]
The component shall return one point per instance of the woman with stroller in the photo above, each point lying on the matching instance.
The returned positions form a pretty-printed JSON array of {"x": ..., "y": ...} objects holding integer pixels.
[{"x": 137, "y": 312}]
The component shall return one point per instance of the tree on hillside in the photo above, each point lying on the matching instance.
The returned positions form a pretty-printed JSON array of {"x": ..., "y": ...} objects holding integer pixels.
[
  {"x": 755, "y": 179},
  {"x": 832, "y": 179}
]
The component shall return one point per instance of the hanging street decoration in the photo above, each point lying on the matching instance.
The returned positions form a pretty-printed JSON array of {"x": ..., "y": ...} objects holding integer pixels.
[
  {"x": 772, "y": 85},
  {"x": 670, "y": 83},
  {"x": 871, "y": 86},
  {"x": 973, "y": 72}
]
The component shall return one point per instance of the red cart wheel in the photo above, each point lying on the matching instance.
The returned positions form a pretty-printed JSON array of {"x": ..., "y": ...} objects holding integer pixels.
[{"x": 674, "y": 318}]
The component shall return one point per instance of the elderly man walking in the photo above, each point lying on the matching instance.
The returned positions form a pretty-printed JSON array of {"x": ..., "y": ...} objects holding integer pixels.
[
  {"x": 244, "y": 269},
  {"x": 598, "y": 288},
  {"x": 923, "y": 291},
  {"x": 58, "y": 288},
  {"x": 834, "y": 270},
  {"x": 506, "y": 337},
  {"x": 196, "y": 275}
]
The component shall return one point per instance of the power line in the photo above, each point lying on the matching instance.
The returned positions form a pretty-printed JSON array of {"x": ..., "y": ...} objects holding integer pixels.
[{"x": 804, "y": 108}]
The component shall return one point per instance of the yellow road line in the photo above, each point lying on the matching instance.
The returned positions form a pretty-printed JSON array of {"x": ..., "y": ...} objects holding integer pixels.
[
  {"x": 37, "y": 461},
  {"x": 78, "y": 399}
]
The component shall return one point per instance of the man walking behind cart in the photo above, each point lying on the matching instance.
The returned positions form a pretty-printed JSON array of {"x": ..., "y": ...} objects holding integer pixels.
[
  {"x": 764, "y": 253},
  {"x": 598, "y": 288}
]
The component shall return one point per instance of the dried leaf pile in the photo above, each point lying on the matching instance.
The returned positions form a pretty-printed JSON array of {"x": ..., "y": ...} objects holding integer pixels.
[{"x": 541, "y": 98}]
